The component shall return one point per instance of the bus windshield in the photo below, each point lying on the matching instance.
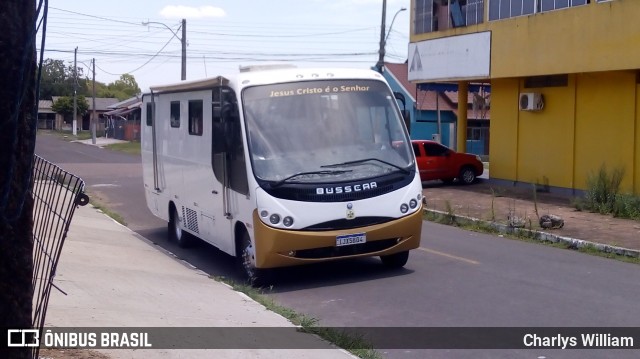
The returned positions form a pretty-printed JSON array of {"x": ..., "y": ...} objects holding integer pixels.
[{"x": 296, "y": 131}]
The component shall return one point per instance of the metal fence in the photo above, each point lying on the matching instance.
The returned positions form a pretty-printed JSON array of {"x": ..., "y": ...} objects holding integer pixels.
[{"x": 56, "y": 195}]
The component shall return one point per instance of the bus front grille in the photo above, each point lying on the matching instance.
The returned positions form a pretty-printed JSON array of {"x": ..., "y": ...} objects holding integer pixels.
[
  {"x": 344, "y": 251},
  {"x": 344, "y": 223}
]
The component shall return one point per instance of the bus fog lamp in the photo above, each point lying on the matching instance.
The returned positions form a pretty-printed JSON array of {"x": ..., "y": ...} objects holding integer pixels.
[
  {"x": 413, "y": 203},
  {"x": 404, "y": 208},
  {"x": 264, "y": 214},
  {"x": 274, "y": 218},
  {"x": 287, "y": 221}
]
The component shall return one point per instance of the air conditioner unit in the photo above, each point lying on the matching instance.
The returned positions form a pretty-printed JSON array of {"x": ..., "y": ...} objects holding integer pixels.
[{"x": 531, "y": 101}]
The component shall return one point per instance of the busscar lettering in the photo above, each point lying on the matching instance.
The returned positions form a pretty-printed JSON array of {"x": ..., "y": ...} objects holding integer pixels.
[{"x": 347, "y": 189}]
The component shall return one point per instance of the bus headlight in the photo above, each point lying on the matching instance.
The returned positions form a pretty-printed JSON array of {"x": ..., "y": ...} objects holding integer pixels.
[
  {"x": 274, "y": 218},
  {"x": 404, "y": 208},
  {"x": 413, "y": 203},
  {"x": 287, "y": 221}
]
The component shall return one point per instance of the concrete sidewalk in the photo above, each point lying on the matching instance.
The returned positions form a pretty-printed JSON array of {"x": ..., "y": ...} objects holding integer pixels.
[
  {"x": 100, "y": 141},
  {"x": 115, "y": 278}
]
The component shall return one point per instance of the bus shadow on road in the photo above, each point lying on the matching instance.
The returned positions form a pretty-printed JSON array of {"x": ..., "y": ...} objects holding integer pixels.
[
  {"x": 333, "y": 273},
  {"x": 216, "y": 263}
]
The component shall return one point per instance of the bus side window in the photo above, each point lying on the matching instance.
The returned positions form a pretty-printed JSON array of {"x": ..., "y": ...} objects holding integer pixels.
[
  {"x": 149, "y": 113},
  {"x": 195, "y": 117}
]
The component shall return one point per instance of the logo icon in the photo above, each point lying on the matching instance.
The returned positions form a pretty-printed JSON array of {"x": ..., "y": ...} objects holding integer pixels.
[{"x": 23, "y": 338}]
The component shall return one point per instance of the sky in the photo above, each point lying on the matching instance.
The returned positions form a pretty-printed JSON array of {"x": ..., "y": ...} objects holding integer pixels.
[{"x": 221, "y": 35}]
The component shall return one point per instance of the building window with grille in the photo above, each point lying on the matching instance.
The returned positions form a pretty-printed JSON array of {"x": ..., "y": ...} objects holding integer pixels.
[
  {"x": 504, "y": 9},
  {"x": 436, "y": 15}
]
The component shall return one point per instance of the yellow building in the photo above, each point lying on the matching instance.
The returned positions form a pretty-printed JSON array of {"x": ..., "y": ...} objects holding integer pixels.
[{"x": 565, "y": 81}]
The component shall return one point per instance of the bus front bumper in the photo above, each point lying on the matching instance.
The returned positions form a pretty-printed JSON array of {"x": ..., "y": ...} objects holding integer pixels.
[{"x": 280, "y": 248}]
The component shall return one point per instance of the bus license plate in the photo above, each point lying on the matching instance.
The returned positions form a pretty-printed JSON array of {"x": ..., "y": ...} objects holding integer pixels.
[{"x": 349, "y": 239}]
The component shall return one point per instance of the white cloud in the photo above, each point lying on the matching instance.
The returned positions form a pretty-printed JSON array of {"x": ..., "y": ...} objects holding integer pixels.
[{"x": 190, "y": 12}]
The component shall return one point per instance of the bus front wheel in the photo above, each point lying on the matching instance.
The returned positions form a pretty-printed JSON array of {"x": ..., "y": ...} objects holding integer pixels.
[
  {"x": 246, "y": 261},
  {"x": 176, "y": 234},
  {"x": 396, "y": 260}
]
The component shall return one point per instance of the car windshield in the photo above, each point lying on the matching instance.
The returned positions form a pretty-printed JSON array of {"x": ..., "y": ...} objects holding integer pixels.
[{"x": 298, "y": 130}]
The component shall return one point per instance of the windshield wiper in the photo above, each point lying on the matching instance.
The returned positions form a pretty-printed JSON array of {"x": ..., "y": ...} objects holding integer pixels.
[
  {"x": 357, "y": 162},
  {"x": 324, "y": 172}
]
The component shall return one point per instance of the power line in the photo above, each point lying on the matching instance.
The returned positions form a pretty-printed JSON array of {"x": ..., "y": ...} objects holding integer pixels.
[{"x": 123, "y": 40}]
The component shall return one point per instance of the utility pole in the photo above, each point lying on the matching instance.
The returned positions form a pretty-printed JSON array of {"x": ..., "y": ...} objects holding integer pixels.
[
  {"x": 184, "y": 49},
  {"x": 183, "y": 41},
  {"x": 381, "y": 51},
  {"x": 93, "y": 114},
  {"x": 74, "y": 124}
]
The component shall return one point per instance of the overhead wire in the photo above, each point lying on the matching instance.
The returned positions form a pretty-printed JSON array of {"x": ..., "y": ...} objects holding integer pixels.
[{"x": 120, "y": 40}]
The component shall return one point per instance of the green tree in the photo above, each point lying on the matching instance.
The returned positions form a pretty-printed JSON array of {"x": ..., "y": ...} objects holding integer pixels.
[
  {"x": 58, "y": 78},
  {"x": 64, "y": 106},
  {"x": 105, "y": 92},
  {"x": 125, "y": 87}
]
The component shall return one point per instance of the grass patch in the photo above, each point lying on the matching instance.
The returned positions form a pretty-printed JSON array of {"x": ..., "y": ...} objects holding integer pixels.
[
  {"x": 354, "y": 344},
  {"x": 130, "y": 147},
  {"x": 523, "y": 235},
  {"x": 603, "y": 195},
  {"x": 68, "y": 136},
  {"x": 116, "y": 217}
]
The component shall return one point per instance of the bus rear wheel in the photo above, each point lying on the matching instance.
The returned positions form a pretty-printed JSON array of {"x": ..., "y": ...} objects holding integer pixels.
[
  {"x": 396, "y": 260},
  {"x": 246, "y": 263}
]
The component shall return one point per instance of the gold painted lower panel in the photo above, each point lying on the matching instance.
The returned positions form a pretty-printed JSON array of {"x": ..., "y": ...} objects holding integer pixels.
[{"x": 273, "y": 246}]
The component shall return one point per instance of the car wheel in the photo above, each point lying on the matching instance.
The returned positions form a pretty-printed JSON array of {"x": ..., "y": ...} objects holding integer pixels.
[
  {"x": 176, "y": 234},
  {"x": 396, "y": 260},
  {"x": 467, "y": 175},
  {"x": 246, "y": 263}
]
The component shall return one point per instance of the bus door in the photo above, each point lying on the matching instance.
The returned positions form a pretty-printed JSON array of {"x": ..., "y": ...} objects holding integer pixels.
[{"x": 228, "y": 163}]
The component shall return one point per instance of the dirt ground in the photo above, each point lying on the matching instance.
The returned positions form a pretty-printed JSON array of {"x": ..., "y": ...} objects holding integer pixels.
[
  {"x": 70, "y": 354},
  {"x": 491, "y": 202}
]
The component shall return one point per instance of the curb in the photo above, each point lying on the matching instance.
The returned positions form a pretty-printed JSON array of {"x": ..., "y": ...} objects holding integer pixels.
[{"x": 539, "y": 235}]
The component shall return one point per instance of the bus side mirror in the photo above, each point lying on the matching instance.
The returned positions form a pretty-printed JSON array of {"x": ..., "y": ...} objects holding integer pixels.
[{"x": 406, "y": 115}]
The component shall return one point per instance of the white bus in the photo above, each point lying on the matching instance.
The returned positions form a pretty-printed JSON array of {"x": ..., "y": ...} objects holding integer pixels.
[{"x": 283, "y": 167}]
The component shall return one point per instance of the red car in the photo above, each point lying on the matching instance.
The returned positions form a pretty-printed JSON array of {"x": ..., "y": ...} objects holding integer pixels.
[{"x": 438, "y": 162}]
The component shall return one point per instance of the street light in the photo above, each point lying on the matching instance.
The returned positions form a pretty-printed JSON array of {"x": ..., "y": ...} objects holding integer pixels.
[
  {"x": 183, "y": 40},
  {"x": 392, "y": 21},
  {"x": 385, "y": 35}
]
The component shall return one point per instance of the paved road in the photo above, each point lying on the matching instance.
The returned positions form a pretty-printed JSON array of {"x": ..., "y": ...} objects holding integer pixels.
[{"x": 457, "y": 278}]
